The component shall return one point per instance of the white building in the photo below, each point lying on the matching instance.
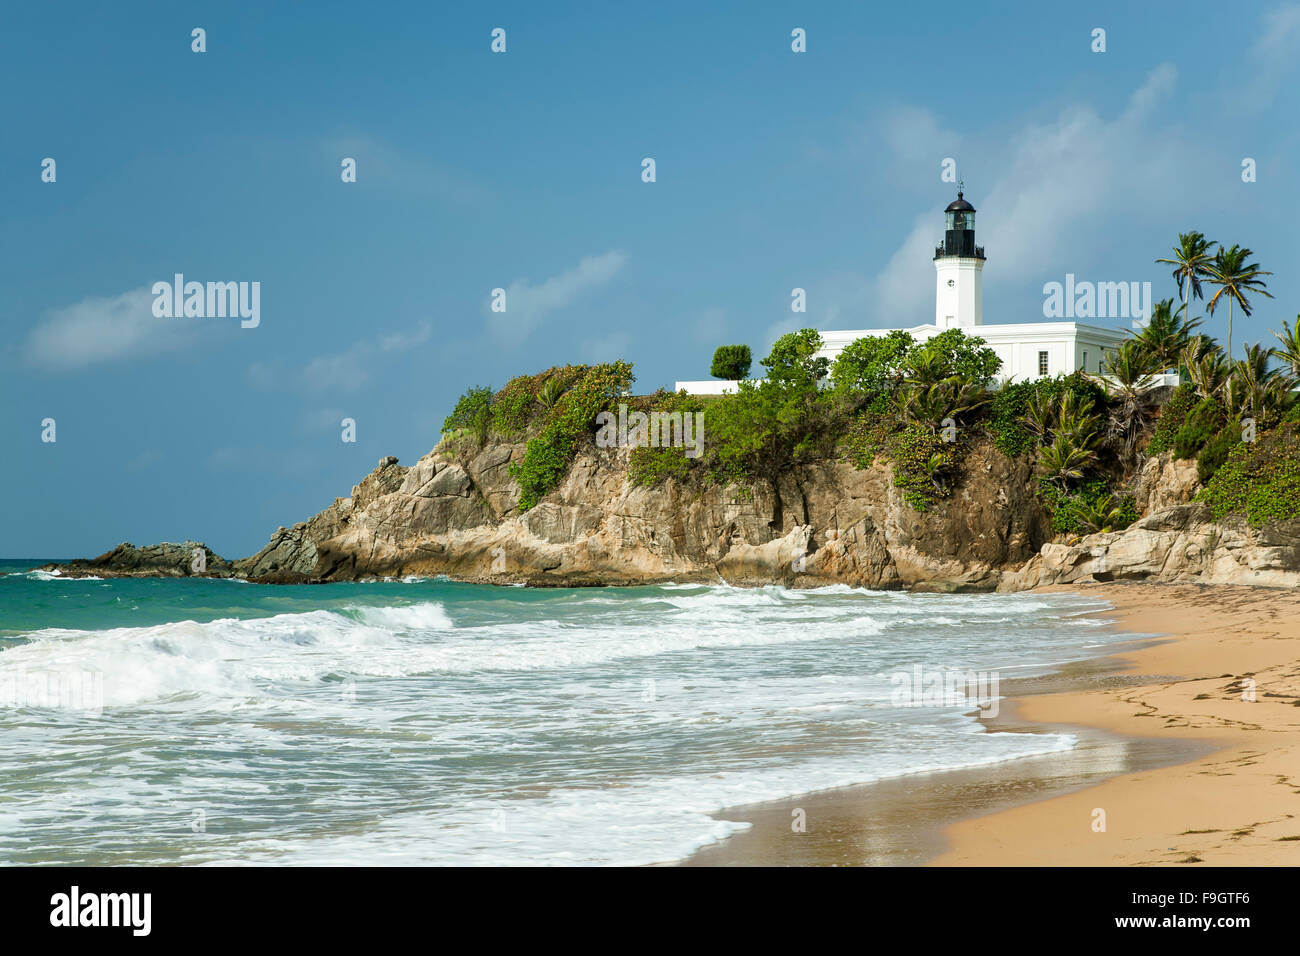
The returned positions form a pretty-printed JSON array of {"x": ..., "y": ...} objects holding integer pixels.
[{"x": 1028, "y": 350}]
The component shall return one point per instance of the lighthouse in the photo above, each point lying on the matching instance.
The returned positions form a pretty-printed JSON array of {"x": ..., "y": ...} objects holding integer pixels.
[
  {"x": 1028, "y": 350},
  {"x": 958, "y": 266}
]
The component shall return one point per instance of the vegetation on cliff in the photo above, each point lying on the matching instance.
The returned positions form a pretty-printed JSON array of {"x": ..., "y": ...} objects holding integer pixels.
[
  {"x": 1260, "y": 479},
  {"x": 922, "y": 405},
  {"x": 555, "y": 409}
]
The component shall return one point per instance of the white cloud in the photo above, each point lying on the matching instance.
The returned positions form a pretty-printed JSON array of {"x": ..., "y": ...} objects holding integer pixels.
[
  {"x": 1273, "y": 55},
  {"x": 1080, "y": 169},
  {"x": 344, "y": 371},
  {"x": 528, "y": 304},
  {"x": 1159, "y": 85},
  {"x": 914, "y": 136},
  {"x": 107, "y": 329}
]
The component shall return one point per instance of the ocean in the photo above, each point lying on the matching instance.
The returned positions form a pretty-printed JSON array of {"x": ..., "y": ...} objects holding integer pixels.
[{"x": 424, "y": 721}]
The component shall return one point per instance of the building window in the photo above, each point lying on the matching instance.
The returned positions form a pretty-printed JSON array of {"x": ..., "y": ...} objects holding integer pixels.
[
  {"x": 1085, "y": 361},
  {"x": 1042, "y": 363}
]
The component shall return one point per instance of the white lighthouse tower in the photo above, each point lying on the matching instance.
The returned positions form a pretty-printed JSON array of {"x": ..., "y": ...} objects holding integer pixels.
[
  {"x": 1027, "y": 350},
  {"x": 959, "y": 265}
]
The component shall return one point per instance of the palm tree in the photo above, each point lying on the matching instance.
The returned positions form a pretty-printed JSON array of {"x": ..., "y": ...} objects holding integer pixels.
[
  {"x": 550, "y": 393},
  {"x": 1040, "y": 415},
  {"x": 1165, "y": 334},
  {"x": 1191, "y": 264},
  {"x": 1235, "y": 277},
  {"x": 1129, "y": 377},
  {"x": 1076, "y": 421},
  {"x": 929, "y": 404},
  {"x": 1256, "y": 391},
  {"x": 934, "y": 466},
  {"x": 1206, "y": 365},
  {"x": 1063, "y": 462},
  {"x": 1101, "y": 515},
  {"x": 1289, "y": 353},
  {"x": 924, "y": 367}
]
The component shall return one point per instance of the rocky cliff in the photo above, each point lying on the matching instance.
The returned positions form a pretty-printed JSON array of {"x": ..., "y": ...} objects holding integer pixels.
[{"x": 456, "y": 513}]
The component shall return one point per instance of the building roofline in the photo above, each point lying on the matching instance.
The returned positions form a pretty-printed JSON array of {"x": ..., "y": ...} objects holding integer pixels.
[{"x": 975, "y": 329}]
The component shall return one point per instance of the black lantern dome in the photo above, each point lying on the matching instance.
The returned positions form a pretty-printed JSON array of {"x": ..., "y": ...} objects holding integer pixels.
[
  {"x": 959, "y": 205},
  {"x": 959, "y": 234}
]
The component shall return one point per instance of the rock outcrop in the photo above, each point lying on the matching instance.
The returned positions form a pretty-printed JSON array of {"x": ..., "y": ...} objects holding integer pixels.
[
  {"x": 1165, "y": 482},
  {"x": 1179, "y": 545},
  {"x": 827, "y": 523},
  {"x": 456, "y": 512},
  {"x": 165, "y": 560}
]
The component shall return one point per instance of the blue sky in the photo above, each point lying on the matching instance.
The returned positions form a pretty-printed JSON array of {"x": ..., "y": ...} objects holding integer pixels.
[{"x": 522, "y": 171}]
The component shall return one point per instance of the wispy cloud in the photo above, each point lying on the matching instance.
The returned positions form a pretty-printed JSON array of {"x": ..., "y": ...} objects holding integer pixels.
[
  {"x": 1081, "y": 167},
  {"x": 412, "y": 172},
  {"x": 914, "y": 136},
  {"x": 104, "y": 329},
  {"x": 527, "y": 304},
  {"x": 1274, "y": 54},
  {"x": 343, "y": 371}
]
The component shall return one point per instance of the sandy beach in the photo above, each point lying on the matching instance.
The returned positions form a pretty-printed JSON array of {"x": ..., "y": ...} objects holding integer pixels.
[
  {"x": 1185, "y": 767},
  {"x": 1238, "y": 805}
]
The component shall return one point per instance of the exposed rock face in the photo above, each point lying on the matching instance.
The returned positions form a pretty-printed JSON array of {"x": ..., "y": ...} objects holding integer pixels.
[
  {"x": 1178, "y": 544},
  {"x": 456, "y": 513},
  {"x": 834, "y": 524},
  {"x": 1165, "y": 482}
]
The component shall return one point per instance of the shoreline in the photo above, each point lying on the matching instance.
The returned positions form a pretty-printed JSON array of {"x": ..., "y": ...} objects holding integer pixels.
[
  {"x": 1237, "y": 805},
  {"x": 1183, "y": 774}
]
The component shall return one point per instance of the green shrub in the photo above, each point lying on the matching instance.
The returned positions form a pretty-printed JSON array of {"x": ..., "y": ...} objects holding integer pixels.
[
  {"x": 793, "y": 360},
  {"x": 765, "y": 427},
  {"x": 549, "y": 454},
  {"x": 648, "y": 465},
  {"x": 1216, "y": 452},
  {"x": 967, "y": 357},
  {"x": 1259, "y": 479},
  {"x": 472, "y": 413},
  {"x": 868, "y": 433},
  {"x": 513, "y": 406},
  {"x": 1202, "y": 423},
  {"x": 1075, "y": 512},
  {"x": 1008, "y": 406},
  {"x": 731, "y": 362},
  {"x": 1010, "y": 435},
  {"x": 923, "y": 463},
  {"x": 518, "y": 407},
  {"x": 872, "y": 364},
  {"x": 1172, "y": 417}
]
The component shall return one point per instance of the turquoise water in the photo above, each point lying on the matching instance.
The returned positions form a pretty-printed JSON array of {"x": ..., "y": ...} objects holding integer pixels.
[{"x": 424, "y": 721}]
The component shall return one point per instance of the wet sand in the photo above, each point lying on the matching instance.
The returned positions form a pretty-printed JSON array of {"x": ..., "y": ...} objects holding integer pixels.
[{"x": 1183, "y": 768}]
